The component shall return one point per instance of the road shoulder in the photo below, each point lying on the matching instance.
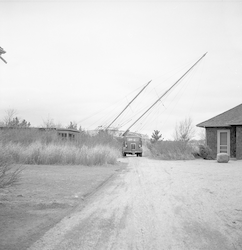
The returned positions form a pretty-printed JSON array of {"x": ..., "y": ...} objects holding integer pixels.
[{"x": 44, "y": 197}]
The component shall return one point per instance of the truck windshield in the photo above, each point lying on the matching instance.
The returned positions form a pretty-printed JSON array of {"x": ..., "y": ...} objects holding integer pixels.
[{"x": 133, "y": 139}]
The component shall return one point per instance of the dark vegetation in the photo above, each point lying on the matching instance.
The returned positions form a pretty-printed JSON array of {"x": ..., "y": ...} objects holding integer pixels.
[
  {"x": 182, "y": 147},
  {"x": 205, "y": 152},
  {"x": 171, "y": 150},
  {"x": 156, "y": 136},
  {"x": 9, "y": 174}
]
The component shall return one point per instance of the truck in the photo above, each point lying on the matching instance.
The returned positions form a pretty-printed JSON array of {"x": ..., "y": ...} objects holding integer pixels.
[{"x": 132, "y": 145}]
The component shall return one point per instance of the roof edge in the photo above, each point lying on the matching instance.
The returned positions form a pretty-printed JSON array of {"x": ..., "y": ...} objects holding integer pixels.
[{"x": 201, "y": 123}]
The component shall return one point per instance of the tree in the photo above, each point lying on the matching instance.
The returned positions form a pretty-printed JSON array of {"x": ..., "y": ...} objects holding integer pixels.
[
  {"x": 48, "y": 123},
  {"x": 72, "y": 125},
  {"x": 156, "y": 136},
  {"x": 25, "y": 124},
  {"x": 17, "y": 123},
  {"x": 80, "y": 129},
  {"x": 184, "y": 130},
  {"x": 14, "y": 122},
  {"x": 10, "y": 113},
  {"x": 10, "y": 121}
]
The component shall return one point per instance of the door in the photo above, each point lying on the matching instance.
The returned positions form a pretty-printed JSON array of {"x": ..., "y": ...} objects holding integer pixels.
[{"x": 223, "y": 139}]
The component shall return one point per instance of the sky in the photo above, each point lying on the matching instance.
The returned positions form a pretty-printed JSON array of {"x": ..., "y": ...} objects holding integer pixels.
[{"x": 84, "y": 61}]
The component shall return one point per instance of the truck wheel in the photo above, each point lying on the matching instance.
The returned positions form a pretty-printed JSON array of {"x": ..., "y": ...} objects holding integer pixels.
[
  {"x": 124, "y": 154},
  {"x": 140, "y": 154}
]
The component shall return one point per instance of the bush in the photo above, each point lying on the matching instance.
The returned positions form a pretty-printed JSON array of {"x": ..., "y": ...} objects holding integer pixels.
[
  {"x": 146, "y": 150},
  {"x": 171, "y": 150},
  {"x": 9, "y": 174},
  {"x": 205, "y": 152}
]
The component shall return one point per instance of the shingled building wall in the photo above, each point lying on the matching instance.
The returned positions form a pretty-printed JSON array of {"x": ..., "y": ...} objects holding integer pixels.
[
  {"x": 233, "y": 142},
  {"x": 239, "y": 142},
  {"x": 211, "y": 139}
]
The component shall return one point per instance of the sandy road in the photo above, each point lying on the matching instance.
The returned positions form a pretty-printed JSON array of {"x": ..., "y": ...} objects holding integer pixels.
[{"x": 158, "y": 205}]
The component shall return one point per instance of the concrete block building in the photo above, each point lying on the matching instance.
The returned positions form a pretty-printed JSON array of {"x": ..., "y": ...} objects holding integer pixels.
[{"x": 224, "y": 133}]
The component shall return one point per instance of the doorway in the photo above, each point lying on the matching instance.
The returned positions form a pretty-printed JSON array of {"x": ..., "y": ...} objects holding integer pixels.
[{"x": 223, "y": 141}]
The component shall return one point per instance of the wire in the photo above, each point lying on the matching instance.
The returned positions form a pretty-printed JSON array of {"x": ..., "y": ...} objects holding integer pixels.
[
  {"x": 180, "y": 92},
  {"x": 106, "y": 108}
]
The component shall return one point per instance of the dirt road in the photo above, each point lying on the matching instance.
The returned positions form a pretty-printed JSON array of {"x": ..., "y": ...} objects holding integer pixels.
[{"x": 158, "y": 205}]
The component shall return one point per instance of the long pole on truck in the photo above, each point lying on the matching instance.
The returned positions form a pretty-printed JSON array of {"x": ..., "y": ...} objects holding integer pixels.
[
  {"x": 128, "y": 104},
  {"x": 164, "y": 93}
]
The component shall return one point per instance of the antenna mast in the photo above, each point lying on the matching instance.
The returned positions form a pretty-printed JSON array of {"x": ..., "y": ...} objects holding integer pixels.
[
  {"x": 164, "y": 94},
  {"x": 128, "y": 104}
]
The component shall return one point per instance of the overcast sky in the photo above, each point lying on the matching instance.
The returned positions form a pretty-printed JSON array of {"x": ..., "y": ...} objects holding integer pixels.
[{"x": 84, "y": 61}]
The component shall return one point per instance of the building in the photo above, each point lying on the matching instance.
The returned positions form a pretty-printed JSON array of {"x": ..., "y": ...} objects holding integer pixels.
[
  {"x": 70, "y": 134},
  {"x": 224, "y": 133},
  {"x": 63, "y": 133}
]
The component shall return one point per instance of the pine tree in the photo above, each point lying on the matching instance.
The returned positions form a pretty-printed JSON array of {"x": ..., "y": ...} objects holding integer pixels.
[{"x": 156, "y": 136}]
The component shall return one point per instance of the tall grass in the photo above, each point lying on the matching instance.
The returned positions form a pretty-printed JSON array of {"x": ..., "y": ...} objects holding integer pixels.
[
  {"x": 37, "y": 147},
  {"x": 49, "y": 154},
  {"x": 171, "y": 150}
]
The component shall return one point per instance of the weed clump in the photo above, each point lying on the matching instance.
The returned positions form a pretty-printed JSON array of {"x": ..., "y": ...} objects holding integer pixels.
[
  {"x": 9, "y": 174},
  {"x": 205, "y": 152}
]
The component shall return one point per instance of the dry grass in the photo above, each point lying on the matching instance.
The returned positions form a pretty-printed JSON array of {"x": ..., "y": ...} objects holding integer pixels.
[
  {"x": 37, "y": 147},
  {"x": 63, "y": 154},
  {"x": 171, "y": 150}
]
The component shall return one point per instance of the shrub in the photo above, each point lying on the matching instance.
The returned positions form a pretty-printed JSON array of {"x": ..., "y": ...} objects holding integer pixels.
[
  {"x": 171, "y": 150},
  {"x": 9, "y": 174},
  {"x": 146, "y": 150},
  {"x": 205, "y": 152}
]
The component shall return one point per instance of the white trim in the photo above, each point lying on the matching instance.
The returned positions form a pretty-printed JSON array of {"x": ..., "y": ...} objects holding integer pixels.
[{"x": 228, "y": 140}]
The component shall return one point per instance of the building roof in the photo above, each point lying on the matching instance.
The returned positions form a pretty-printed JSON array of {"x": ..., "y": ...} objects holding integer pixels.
[
  {"x": 228, "y": 118},
  {"x": 67, "y": 130}
]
